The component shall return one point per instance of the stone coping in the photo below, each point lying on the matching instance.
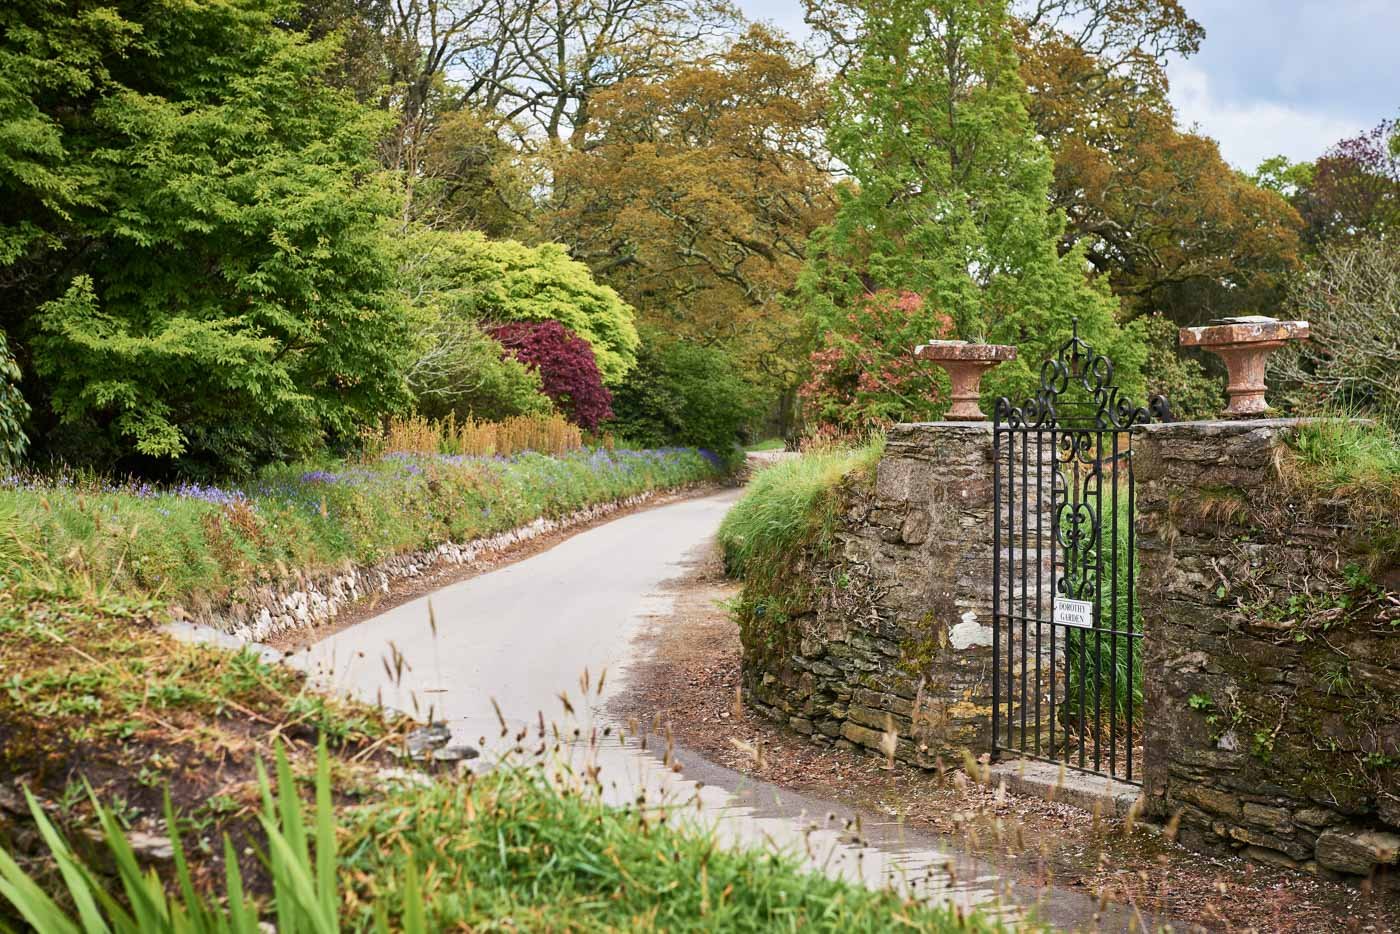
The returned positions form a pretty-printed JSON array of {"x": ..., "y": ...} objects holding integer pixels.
[
  {"x": 962, "y": 351},
  {"x": 1237, "y": 333}
]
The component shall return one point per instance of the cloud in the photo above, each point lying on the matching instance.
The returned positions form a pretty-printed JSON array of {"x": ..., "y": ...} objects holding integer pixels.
[{"x": 1250, "y": 131}]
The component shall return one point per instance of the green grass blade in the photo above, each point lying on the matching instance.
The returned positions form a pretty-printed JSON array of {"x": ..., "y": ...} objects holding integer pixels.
[
  {"x": 77, "y": 879},
  {"x": 33, "y": 905},
  {"x": 325, "y": 833},
  {"x": 414, "y": 920},
  {"x": 242, "y": 916}
]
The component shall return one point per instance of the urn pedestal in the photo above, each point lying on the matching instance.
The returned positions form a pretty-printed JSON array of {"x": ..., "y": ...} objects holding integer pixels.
[
  {"x": 1245, "y": 344},
  {"x": 965, "y": 363}
]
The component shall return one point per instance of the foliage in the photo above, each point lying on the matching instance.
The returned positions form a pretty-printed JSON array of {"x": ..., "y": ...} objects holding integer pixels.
[
  {"x": 1158, "y": 211},
  {"x": 953, "y": 192},
  {"x": 196, "y": 542},
  {"x": 1353, "y": 190},
  {"x": 1190, "y": 391},
  {"x": 549, "y": 854},
  {"x": 474, "y": 179},
  {"x": 683, "y": 392},
  {"x": 1351, "y": 298},
  {"x": 301, "y": 858},
  {"x": 1100, "y": 676},
  {"x": 462, "y": 275},
  {"x": 197, "y": 271},
  {"x": 694, "y": 193},
  {"x": 458, "y": 370},
  {"x": 13, "y": 409},
  {"x": 511, "y": 845},
  {"x": 568, "y": 373},
  {"x": 786, "y": 506},
  {"x": 543, "y": 434},
  {"x": 866, "y": 375},
  {"x": 786, "y": 515}
]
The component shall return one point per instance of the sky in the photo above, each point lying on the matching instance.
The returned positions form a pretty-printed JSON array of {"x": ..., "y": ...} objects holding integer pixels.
[{"x": 1272, "y": 77}]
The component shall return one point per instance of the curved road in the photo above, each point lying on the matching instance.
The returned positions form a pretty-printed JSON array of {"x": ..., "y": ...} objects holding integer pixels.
[{"x": 523, "y": 633}]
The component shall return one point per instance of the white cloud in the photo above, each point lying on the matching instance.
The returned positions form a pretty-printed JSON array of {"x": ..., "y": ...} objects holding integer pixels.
[{"x": 1252, "y": 131}]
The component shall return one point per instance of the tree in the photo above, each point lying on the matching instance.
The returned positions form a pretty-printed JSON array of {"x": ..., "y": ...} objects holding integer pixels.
[
  {"x": 13, "y": 409},
  {"x": 559, "y": 55},
  {"x": 685, "y": 393},
  {"x": 952, "y": 194},
  {"x": 1157, "y": 210},
  {"x": 566, "y": 367},
  {"x": 474, "y": 179},
  {"x": 208, "y": 284},
  {"x": 1351, "y": 297},
  {"x": 1353, "y": 190},
  {"x": 694, "y": 196},
  {"x": 496, "y": 281}
]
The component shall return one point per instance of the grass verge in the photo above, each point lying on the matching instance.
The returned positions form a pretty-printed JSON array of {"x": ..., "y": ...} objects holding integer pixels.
[
  {"x": 197, "y": 544},
  {"x": 789, "y": 509},
  {"x": 514, "y": 850}
]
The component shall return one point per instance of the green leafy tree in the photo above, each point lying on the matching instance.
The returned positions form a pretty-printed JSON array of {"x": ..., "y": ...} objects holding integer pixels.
[
  {"x": 950, "y": 198},
  {"x": 200, "y": 273},
  {"x": 684, "y": 392},
  {"x": 499, "y": 281}
]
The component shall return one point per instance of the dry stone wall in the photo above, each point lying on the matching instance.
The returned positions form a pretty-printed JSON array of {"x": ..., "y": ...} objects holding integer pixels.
[
  {"x": 892, "y": 651},
  {"x": 1272, "y": 653},
  {"x": 310, "y": 598}
]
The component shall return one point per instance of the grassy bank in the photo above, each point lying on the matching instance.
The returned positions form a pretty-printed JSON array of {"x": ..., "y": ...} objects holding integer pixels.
[
  {"x": 519, "y": 849},
  {"x": 198, "y": 542},
  {"x": 788, "y": 510}
]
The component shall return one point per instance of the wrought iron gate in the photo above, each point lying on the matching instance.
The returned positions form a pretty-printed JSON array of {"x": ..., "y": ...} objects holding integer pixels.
[{"x": 1065, "y": 679}]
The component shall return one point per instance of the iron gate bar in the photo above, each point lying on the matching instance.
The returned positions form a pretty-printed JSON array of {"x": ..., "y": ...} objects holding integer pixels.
[{"x": 1090, "y": 444}]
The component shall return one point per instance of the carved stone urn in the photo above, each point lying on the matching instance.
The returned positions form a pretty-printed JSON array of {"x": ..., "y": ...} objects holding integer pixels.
[
  {"x": 1245, "y": 344},
  {"x": 965, "y": 364}
]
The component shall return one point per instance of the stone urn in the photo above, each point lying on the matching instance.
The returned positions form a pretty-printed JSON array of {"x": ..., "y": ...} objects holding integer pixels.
[
  {"x": 1245, "y": 344},
  {"x": 965, "y": 364}
]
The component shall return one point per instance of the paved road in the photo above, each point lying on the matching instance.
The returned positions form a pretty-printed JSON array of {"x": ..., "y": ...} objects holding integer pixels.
[{"x": 526, "y": 632}]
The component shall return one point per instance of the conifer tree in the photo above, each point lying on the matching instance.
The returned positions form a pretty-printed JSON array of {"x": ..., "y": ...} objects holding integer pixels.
[{"x": 950, "y": 194}]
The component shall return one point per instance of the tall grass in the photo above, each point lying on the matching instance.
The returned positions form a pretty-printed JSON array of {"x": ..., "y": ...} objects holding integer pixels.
[
  {"x": 543, "y": 434},
  {"x": 513, "y": 850},
  {"x": 1350, "y": 456},
  {"x": 516, "y": 850},
  {"x": 786, "y": 505},
  {"x": 301, "y": 860}
]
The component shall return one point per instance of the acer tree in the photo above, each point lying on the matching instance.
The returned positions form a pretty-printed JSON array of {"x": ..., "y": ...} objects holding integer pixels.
[{"x": 1158, "y": 211}]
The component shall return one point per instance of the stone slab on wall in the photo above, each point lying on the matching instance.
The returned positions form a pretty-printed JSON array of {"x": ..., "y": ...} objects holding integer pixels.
[
  {"x": 894, "y": 647},
  {"x": 1271, "y": 672}
]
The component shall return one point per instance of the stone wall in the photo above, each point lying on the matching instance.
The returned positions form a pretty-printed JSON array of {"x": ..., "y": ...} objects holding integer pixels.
[
  {"x": 1272, "y": 652},
  {"x": 891, "y": 649},
  {"x": 309, "y": 598}
]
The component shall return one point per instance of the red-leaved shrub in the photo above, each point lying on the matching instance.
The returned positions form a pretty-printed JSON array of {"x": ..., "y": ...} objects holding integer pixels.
[
  {"x": 566, "y": 366},
  {"x": 865, "y": 373}
]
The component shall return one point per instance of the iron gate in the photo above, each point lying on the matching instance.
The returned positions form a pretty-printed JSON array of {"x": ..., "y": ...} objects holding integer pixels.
[{"x": 1066, "y": 684}]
